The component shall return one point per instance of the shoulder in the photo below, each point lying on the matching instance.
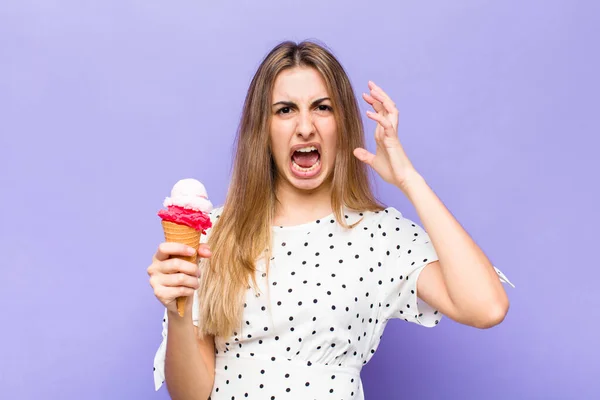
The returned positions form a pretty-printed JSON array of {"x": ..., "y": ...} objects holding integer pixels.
[
  {"x": 380, "y": 225},
  {"x": 391, "y": 227},
  {"x": 388, "y": 216},
  {"x": 402, "y": 230}
]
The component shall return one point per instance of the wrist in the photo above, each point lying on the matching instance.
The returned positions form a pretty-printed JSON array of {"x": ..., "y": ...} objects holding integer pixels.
[
  {"x": 410, "y": 183},
  {"x": 187, "y": 309},
  {"x": 174, "y": 316}
]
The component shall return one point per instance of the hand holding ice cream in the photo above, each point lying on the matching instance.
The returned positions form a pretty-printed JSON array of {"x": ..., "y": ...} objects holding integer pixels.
[{"x": 184, "y": 220}]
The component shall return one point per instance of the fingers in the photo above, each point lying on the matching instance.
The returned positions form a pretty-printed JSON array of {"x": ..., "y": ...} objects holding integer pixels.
[
  {"x": 381, "y": 119},
  {"x": 168, "y": 286},
  {"x": 166, "y": 282},
  {"x": 388, "y": 104},
  {"x": 376, "y": 88},
  {"x": 164, "y": 263},
  {"x": 204, "y": 250},
  {"x": 167, "y": 249},
  {"x": 179, "y": 279},
  {"x": 364, "y": 155},
  {"x": 168, "y": 294},
  {"x": 177, "y": 265},
  {"x": 377, "y": 105},
  {"x": 172, "y": 277},
  {"x": 378, "y": 94}
]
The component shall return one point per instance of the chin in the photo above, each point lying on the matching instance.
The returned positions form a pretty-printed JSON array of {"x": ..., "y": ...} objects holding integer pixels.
[{"x": 309, "y": 184}]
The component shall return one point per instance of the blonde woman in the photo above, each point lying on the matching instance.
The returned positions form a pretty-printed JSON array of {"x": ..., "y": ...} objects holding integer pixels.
[{"x": 303, "y": 267}]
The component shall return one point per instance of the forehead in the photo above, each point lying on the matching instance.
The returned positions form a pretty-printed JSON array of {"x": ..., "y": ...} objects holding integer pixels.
[{"x": 299, "y": 84}]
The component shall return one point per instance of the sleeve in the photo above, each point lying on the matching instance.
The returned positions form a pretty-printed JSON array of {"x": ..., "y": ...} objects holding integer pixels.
[
  {"x": 412, "y": 251},
  {"x": 159, "y": 357}
]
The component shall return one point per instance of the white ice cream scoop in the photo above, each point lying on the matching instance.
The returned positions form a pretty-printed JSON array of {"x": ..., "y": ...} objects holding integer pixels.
[{"x": 191, "y": 194}]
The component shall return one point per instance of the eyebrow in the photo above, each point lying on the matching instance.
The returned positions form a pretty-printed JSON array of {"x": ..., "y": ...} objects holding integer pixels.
[{"x": 292, "y": 104}]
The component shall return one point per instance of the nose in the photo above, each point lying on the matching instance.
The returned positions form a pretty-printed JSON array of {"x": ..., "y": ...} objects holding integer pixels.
[{"x": 305, "y": 126}]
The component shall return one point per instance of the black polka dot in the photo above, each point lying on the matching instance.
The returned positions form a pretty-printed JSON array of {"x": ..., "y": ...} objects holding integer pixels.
[{"x": 364, "y": 266}]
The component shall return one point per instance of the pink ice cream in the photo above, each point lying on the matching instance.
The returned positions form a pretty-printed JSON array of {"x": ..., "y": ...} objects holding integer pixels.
[{"x": 188, "y": 205}]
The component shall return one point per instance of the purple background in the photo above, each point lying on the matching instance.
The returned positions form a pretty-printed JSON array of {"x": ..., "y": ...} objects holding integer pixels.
[{"x": 105, "y": 104}]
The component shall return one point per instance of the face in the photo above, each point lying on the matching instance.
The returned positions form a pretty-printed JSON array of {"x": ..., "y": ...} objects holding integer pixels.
[{"x": 303, "y": 129}]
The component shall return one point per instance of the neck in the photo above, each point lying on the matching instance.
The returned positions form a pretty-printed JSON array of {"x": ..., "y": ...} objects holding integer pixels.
[{"x": 295, "y": 206}]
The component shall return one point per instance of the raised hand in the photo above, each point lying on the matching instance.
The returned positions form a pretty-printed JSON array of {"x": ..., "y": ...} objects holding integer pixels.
[{"x": 389, "y": 161}]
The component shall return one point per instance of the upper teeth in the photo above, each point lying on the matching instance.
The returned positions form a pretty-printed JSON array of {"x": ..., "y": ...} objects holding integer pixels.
[{"x": 307, "y": 149}]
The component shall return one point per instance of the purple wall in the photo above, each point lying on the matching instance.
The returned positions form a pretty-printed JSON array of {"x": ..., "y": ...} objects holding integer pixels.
[{"x": 499, "y": 111}]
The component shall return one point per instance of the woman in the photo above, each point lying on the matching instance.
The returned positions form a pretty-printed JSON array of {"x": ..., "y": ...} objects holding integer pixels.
[{"x": 303, "y": 267}]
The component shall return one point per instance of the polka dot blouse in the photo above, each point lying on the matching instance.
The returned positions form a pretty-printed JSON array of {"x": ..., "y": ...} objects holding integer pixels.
[{"x": 321, "y": 311}]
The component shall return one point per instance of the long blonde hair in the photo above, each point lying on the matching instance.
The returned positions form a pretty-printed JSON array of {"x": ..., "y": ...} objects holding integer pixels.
[{"x": 243, "y": 231}]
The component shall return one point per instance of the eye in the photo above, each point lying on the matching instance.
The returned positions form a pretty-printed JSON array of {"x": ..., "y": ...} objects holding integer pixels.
[
  {"x": 324, "y": 107},
  {"x": 284, "y": 110}
]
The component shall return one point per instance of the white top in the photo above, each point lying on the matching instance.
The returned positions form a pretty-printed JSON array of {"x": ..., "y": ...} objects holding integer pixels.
[{"x": 330, "y": 294}]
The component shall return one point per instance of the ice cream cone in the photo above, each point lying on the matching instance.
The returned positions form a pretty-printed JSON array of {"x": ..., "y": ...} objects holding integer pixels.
[
  {"x": 185, "y": 219},
  {"x": 189, "y": 236}
]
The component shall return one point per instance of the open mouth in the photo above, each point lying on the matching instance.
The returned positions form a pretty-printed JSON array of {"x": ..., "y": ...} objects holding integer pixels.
[{"x": 306, "y": 159}]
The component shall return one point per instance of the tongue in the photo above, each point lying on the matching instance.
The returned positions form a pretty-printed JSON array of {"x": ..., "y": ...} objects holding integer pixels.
[{"x": 305, "y": 160}]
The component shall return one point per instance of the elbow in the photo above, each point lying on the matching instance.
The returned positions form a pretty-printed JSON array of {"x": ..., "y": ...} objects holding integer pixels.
[{"x": 493, "y": 315}]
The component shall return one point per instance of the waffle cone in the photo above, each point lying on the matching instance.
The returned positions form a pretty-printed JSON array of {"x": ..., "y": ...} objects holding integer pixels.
[{"x": 188, "y": 236}]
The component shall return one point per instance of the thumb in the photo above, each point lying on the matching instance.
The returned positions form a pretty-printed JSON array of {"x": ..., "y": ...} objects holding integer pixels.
[{"x": 364, "y": 155}]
